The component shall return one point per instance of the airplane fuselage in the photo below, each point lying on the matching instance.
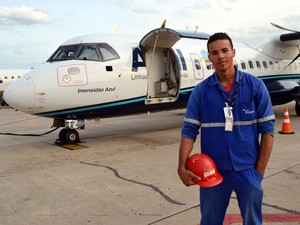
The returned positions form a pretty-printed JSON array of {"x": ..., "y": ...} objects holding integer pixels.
[
  {"x": 83, "y": 88},
  {"x": 96, "y": 76}
]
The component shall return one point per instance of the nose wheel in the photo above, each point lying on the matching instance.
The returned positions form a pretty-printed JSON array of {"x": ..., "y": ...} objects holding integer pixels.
[{"x": 69, "y": 136}]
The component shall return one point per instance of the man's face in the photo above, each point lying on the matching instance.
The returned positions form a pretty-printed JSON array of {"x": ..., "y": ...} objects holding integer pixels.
[{"x": 221, "y": 54}]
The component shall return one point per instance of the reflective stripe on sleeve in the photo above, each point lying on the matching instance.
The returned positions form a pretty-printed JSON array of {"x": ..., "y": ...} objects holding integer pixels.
[
  {"x": 192, "y": 121},
  {"x": 272, "y": 117}
]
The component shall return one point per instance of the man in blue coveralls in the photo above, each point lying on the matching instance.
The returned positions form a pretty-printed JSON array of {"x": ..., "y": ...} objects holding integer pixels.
[{"x": 234, "y": 112}]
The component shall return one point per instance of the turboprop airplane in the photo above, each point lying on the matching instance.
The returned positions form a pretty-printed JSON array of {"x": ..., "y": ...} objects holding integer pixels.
[
  {"x": 98, "y": 76},
  {"x": 7, "y": 76}
]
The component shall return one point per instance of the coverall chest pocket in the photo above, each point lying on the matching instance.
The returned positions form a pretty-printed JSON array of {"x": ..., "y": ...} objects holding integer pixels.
[{"x": 247, "y": 111}]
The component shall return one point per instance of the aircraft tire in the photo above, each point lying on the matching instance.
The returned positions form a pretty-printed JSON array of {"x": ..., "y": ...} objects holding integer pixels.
[
  {"x": 62, "y": 135},
  {"x": 72, "y": 136},
  {"x": 297, "y": 108},
  {"x": 69, "y": 136}
]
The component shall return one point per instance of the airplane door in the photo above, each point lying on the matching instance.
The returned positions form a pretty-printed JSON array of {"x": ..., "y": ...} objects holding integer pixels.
[
  {"x": 163, "y": 68},
  {"x": 197, "y": 66}
]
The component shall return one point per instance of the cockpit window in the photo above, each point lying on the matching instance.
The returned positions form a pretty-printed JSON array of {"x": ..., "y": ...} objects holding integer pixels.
[
  {"x": 107, "y": 52},
  {"x": 88, "y": 53},
  {"x": 64, "y": 53},
  {"x": 91, "y": 51}
]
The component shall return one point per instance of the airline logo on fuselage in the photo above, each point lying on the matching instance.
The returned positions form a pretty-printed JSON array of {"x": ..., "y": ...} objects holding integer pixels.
[{"x": 137, "y": 59}]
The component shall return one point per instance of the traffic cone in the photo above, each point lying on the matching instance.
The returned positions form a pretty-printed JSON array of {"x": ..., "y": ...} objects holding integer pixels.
[{"x": 286, "y": 124}]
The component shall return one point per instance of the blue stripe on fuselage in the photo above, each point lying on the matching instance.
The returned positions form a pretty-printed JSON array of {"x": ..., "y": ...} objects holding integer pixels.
[{"x": 134, "y": 105}]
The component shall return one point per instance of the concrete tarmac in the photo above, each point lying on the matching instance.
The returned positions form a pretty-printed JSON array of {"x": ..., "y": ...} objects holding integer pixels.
[{"x": 124, "y": 173}]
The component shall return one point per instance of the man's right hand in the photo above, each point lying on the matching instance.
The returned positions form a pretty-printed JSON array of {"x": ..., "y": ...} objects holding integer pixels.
[{"x": 186, "y": 176}]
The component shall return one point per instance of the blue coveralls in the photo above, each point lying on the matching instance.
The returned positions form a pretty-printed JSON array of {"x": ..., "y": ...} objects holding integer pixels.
[{"x": 235, "y": 153}]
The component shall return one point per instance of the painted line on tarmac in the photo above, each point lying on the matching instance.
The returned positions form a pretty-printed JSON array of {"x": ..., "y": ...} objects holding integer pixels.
[
  {"x": 166, "y": 197},
  {"x": 174, "y": 214},
  {"x": 285, "y": 170},
  {"x": 277, "y": 207},
  {"x": 267, "y": 218}
]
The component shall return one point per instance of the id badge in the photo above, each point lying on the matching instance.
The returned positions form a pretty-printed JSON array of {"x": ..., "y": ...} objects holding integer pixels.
[{"x": 228, "y": 118}]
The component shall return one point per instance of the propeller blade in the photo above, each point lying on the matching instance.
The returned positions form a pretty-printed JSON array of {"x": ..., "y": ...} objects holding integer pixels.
[
  {"x": 292, "y": 61},
  {"x": 283, "y": 28}
]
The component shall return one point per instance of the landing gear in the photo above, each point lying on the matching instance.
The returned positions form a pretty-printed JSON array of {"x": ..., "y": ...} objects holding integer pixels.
[
  {"x": 2, "y": 102},
  {"x": 296, "y": 95},
  {"x": 297, "y": 99},
  {"x": 69, "y": 136},
  {"x": 297, "y": 108}
]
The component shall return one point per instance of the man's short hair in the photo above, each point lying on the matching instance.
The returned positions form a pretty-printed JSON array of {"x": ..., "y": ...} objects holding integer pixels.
[{"x": 219, "y": 36}]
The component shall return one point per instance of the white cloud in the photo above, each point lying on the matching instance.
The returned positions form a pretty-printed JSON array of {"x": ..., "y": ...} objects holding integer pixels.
[
  {"x": 137, "y": 6},
  {"x": 60, "y": 20},
  {"x": 23, "y": 15}
]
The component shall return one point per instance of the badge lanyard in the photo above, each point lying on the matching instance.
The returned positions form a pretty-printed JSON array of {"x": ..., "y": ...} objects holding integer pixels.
[{"x": 228, "y": 107}]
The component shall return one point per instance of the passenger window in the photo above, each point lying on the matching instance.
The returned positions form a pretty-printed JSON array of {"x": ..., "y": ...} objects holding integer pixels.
[
  {"x": 250, "y": 64},
  {"x": 295, "y": 65},
  {"x": 278, "y": 65},
  {"x": 243, "y": 64},
  {"x": 208, "y": 64},
  {"x": 271, "y": 65},
  {"x": 258, "y": 65},
  {"x": 197, "y": 64},
  {"x": 235, "y": 63},
  {"x": 265, "y": 65}
]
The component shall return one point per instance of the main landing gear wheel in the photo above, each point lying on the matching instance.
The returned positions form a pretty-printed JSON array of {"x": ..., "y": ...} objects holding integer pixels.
[
  {"x": 297, "y": 108},
  {"x": 69, "y": 136}
]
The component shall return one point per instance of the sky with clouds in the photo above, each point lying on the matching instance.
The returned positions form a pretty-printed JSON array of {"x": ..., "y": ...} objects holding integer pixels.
[{"x": 30, "y": 30}]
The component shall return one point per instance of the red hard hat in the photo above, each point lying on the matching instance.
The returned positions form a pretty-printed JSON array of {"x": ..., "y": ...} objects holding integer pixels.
[{"x": 204, "y": 167}]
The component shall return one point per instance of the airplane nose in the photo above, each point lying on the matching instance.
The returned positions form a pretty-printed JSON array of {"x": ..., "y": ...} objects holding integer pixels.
[{"x": 20, "y": 94}]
